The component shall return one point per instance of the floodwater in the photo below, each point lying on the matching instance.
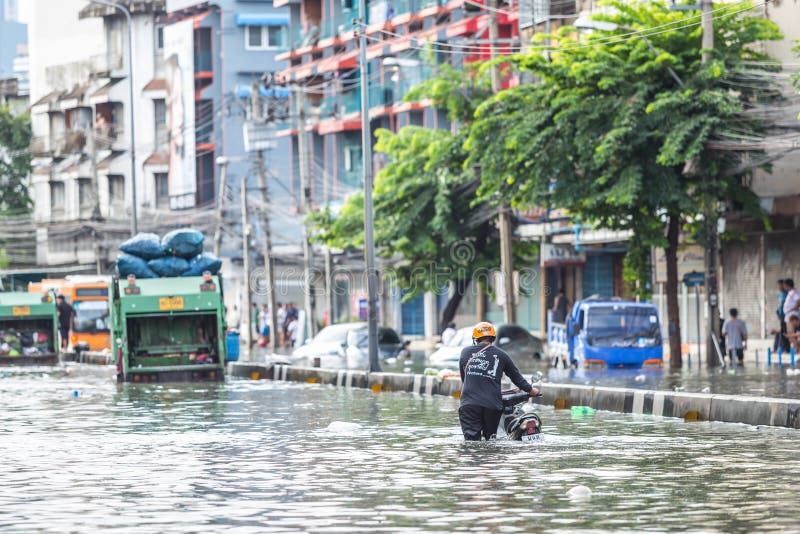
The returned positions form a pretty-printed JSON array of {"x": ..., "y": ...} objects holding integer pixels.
[{"x": 82, "y": 454}]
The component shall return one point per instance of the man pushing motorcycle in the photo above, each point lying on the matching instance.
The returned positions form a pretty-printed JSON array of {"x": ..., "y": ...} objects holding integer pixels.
[{"x": 482, "y": 366}]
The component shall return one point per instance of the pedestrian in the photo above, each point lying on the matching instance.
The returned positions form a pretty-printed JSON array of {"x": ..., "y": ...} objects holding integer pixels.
[
  {"x": 560, "y": 307},
  {"x": 449, "y": 333},
  {"x": 291, "y": 315},
  {"x": 482, "y": 366},
  {"x": 734, "y": 332},
  {"x": 263, "y": 323},
  {"x": 254, "y": 322},
  {"x": 234, "y": 318},
  {"x": 291, "y": 331},
  {"x": 66, "y": 313},
  {"x": 791, "y": 305},
  {"x": 780, "y": 342},
  {"x": 280, "y": 320}
]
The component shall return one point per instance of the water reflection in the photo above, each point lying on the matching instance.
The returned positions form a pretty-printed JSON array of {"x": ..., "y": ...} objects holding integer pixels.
[{"x": 264, "y": 456}]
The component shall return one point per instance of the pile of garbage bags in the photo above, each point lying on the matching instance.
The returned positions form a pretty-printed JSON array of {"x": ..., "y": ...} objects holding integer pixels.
[
  {"x": 14, "y": 342},
  {"x": 178, "y": 253}
]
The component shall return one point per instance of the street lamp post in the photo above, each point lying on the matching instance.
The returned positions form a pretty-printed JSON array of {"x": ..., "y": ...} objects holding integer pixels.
[{"x": 120, "y": 7}]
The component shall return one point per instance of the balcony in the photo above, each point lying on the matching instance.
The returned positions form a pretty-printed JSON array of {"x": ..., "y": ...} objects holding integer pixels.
[
  {"x": 385, "y": 10},
  {"x": 70, "y": 142},
  {"x": 40, "y": 146},
  {"x": 108, "y": 136}
]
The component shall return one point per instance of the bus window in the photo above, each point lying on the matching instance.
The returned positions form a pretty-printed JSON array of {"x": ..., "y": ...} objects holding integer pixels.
[{"x": 91, "y": 316}]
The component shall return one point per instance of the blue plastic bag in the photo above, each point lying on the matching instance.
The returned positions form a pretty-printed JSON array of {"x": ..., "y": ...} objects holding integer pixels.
[
  {"x": 203, "y": 262},
  {"x": 144, "y": 245},
  {"x": 169, "y": 266},
  {"x": 130, "y": 264},
  {"x": 183, "y": 242}
]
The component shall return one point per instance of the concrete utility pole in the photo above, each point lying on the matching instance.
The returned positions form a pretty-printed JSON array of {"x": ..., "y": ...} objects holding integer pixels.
[
  {"x": 328, "y": 262},
  {"x": 504, "y": 219},
  {"x": 369, "y": 226},
  {"x": 712, "y": 250},
  {"x": 262, "y": 185},
  {"x": 305, "y": 194},
  {"x": 247, "y": 313},
  {"x": 223, "y": 177}
]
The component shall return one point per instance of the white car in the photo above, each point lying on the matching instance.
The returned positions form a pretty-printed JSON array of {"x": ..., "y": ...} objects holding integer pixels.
[
  {"x": 328, "y": 345},
  {"x": 514, "y": 339}
]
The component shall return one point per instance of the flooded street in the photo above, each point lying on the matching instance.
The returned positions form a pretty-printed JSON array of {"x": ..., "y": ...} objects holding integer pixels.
[{"x": 84, "y": 454}]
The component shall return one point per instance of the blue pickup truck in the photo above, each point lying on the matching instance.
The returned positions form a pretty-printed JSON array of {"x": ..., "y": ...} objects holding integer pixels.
[{"x": 610, "y": 332}]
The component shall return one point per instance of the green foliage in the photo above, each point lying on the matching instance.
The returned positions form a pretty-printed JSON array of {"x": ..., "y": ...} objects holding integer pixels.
[
  {"x": 608, "y": 132},
  {"x": 423, "y": 216},
  {"x": 15, "y": 163},
  {"x": 457, "y": 91}
]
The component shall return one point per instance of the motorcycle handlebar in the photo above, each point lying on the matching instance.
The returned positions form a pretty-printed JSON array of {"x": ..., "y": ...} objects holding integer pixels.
[{"x": 511, "y": 399}]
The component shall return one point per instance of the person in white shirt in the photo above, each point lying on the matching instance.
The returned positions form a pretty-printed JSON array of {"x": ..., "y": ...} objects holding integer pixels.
[
  {"x": 790, "y": 306},
  {"x": 448, "y": 334},
  {"x": 735, "y": 332},
  {"x": 280, "y": 320},
  {"x": 291, "y": 331}
]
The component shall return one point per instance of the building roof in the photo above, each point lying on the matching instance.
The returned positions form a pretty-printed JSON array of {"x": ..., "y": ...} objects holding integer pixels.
[
  {"x": 134, "y": 6},
  {"x": 157, "y": 158},
  {"x": 156, "y": 84},
  {"x": 48, "y": 98}
]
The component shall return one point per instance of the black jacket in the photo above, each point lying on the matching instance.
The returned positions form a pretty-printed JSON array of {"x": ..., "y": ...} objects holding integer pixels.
[{"x": 482, "y": 368}]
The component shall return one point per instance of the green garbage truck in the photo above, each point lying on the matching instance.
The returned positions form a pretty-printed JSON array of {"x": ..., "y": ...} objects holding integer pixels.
[
  {"x": 168, "y": 329},
  {"x": 28, "y": 329}
]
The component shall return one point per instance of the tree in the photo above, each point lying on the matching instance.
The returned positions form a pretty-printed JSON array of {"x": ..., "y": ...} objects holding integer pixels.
[
  {"x": 15, "y": 163},
  {"x": 620, "y": 128}
]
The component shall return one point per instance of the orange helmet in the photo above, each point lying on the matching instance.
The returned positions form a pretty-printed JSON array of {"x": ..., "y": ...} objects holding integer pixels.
[{"x": 483, "y": 329}]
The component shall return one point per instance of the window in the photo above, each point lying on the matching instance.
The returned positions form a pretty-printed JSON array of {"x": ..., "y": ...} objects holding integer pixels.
[
  {"x": 116, "y": 190},
  {"x": 162, "y": 190},
  {"x": 265, "y": 37},
  {"x": 160, "y": 39},
  {"x": 160, "y": 119},
  {"x": 352, "y": 158},
  {"x": 85, "y": 193},
  {"x": 57, "y": 197}
]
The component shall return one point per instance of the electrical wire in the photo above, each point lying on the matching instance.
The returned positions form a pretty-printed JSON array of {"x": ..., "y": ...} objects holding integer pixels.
[{"x": 612, "y": 39}]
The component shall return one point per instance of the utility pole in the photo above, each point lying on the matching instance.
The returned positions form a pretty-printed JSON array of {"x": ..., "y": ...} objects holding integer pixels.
[
  {"x": 262, "y": 185},
  {"x": 305, "y": 193},
  {"x": 504, "y": 219},
  {"x": 711, "y": 215},
  {"x": 247, "y": 313},
  {"x": 369, "y": 226},
  {"x": 223, "y": 177},
  {"x": 328, "y": 261}
]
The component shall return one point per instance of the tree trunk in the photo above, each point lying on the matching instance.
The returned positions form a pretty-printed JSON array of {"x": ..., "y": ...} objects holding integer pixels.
[
  {"x": 452, "y": 305},
  {"x": 673, "y": 314}
]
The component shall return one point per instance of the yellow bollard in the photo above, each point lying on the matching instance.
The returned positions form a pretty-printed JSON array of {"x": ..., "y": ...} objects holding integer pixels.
[
  {"x": 457, "y": 394},
  {"x": 376, "y": 388},
  {"x": 560, "y": 404},
  {"x": 312, "y": 380},
  {"x": 255, "y": 375},
  {"x": 691, "y": 416}
]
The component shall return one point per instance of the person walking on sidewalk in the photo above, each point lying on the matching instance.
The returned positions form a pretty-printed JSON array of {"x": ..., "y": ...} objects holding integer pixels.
[
  {"x": 781, "y": 341},
  {"x": 790, "y": 306},
  {"x": 734, "y": 331}
]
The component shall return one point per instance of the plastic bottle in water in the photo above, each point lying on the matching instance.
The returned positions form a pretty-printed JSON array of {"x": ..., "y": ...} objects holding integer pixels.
[{"x": 582, "y": 410}]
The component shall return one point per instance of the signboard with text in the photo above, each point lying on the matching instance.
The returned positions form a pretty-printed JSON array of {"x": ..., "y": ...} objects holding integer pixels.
[{"x": 554, "y": 255}]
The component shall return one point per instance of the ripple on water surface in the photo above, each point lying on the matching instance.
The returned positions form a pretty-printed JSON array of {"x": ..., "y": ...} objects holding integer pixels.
[{"x": 261, "y": 456}]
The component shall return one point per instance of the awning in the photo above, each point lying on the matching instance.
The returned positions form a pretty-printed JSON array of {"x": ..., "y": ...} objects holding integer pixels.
[
  {"x": 262, "y": 19},
  {"x": 244, "y": 91}
]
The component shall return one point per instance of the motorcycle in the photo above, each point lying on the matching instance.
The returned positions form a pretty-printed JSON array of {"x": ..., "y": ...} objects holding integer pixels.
[{"x": 519, "y": 420}]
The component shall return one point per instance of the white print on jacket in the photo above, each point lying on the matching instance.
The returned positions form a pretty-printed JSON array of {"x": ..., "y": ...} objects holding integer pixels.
[{"x": 479, "y": 366}]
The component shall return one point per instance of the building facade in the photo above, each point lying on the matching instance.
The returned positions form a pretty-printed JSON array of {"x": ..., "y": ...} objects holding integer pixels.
[{"x": 322, "y": 63}]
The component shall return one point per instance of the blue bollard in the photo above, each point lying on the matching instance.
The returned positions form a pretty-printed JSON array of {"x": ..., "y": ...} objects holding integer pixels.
[
  {"x": 780, "y": 358},
  {"x": 769, "y": 357},
  {"x": 791, "y": 357}
]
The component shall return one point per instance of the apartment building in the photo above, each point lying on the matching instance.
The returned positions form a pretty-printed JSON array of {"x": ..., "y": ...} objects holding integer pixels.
[
  {"x": 323, "y": 61},
  {"x": 80, "y": 114}
]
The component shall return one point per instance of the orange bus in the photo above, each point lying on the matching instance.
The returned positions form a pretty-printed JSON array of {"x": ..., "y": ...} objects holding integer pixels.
[{"x": 88, "y": 295}]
